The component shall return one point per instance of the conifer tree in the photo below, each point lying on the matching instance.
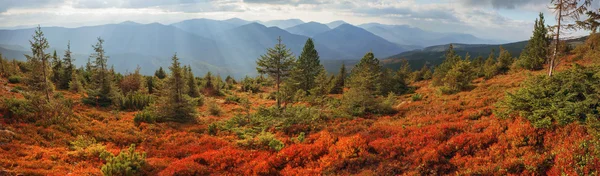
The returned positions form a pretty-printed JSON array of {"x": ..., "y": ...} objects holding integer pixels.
[
  {"x": 176, "y": 106},
  {"x": 322, "y": 84},
  {"x": 57, "y": 70},
  {"x": 160, "y": 73},
  {"x": 364, "y": 84},
  {"x": 366, "y": 74},
  {"x": 505, "y": 60},
  {"x": 277, "y": 63},
  {"x": 340, "y": 80},
  {"x": 38, "y": 61},
  {"x": 535, "y": 53},
  {"x": 101, "y": 88},
  {"x": 478, "y": 66},
  {"x": 68, "y": 68},
  {"x": 208, "y": 85},
  {"x": 442, "y": 69},
  {"x": 75, "y": 84},
  {"x": 307, "y": 68},
  {"x": 490, "y": 66},
  {"x": 192, "y": 84}
]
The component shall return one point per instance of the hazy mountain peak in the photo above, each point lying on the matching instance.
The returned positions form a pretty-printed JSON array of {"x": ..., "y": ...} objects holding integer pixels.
[
  {"x": 129, "y": 23},
  {"x": 282, "y": 23},
  {"x": 308, "y": 29},
  {"x": 335, "y": 24}
]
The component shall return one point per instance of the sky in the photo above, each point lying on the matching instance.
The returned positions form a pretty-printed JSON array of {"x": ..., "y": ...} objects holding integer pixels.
[{"x": 509, "y": 20}]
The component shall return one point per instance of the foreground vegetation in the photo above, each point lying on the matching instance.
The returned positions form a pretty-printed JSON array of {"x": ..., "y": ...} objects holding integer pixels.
[{"x": 467, "y": 116}]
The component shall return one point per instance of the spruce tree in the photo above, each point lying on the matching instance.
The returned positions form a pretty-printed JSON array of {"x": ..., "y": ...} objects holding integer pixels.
[
  {"x": 38, "y": 61},
  {"x": 101, "y": 88},
  {"x": 160, "y": 73},
  {"x": 322, "y": 84},
  {"x": 57, "y": 70},
  {"x": 277, "y": 63},
  {"x": 441, "y": 70},
  {"x": 490, "y": 66},
  {"x": 478, "y": 66},
  {"x": 208, "y": 84},
  {"x": 192, "y": 84},
  {"x": 307, "y": 68},
  {"x": 340, "y": 80},
  {"x": 535, "y": 53},
  {"x": 176, "y": 106},
  {"x": 364, "y": 84},
  {"x": 366, "y": 74},
  {"x": 68, "y": 68},
  {"x": 505, "y": 60}
]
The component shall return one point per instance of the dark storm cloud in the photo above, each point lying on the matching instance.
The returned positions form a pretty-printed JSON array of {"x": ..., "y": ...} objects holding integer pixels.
[
  {"x": 8, "y": 4},
  {"x": 504, "y": 4}
]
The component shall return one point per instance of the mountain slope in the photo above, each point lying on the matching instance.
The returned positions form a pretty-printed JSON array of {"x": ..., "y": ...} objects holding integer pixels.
[
  {"x": 355, "y": 42},
  {"x": 407, "y": 35},
  {"x": 335, "y": 24},
  {"x": 282, "y": 23},
  {"x": 308, "y": 29},
  {"x": 205, "y": 27}
]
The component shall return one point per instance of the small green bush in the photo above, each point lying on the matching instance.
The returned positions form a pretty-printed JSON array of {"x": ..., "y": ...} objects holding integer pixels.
[
  {"x": 213, "y": 108},
  {"x": 146, "y": 116},
  {"x": 268, "y": 139},
  {"x": 232, "y": 99},
  {"x": 135, "y": 101},
  {"x": 566, "y": 97},
  {"x": 126, "y": 163},
  {"x": 250, "y": 85},
  {"x": 212, "y": 129},
  {"x": 17, "y": 108},
  {"x": 417, "y": 97},
  {"x": 14, "y": 79}
]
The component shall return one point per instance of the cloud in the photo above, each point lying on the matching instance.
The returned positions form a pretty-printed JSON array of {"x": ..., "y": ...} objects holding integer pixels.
[
  {"x": 504, "y": 4},
  {"x": 9, "y": 4}
]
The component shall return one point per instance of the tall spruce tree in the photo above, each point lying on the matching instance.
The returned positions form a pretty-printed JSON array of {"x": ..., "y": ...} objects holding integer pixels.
[
  {"x": 192, "y": 84},
  {"x": 57, "y": 70},
  {"x": 535, "y": 53},
  {"x": 441, "y": 70},
  {"x": 340, "y": 80},
  {"x": 68, "y": 68},
  {"x": 490, "y": 66},
  {"x": 277, "y": 63},
  {"x": 177, "y": 106},
  {"x": 38, "y": 61},
  {"x": 101, "y": 88},
  {"x": 364, "y": 84},
  {"x": 307, "y": 68},
  {"x": 366, "y": 74}
]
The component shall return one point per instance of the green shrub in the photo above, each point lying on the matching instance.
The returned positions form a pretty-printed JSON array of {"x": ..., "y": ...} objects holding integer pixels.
[
  {"x": 86, "y": 148},
  {"x": 146, "y": 116},
  {"x": 417, "y": 97},
  {"x": 16, "y": 89},
  {"x": 458, "y": 78},
  {"x": 263, "y": 141},
  {"x": 17, "y": 108},
  {"x": 250, "y": 85},
  {"x": 232, "y": 99},
  {"x": 126, "y": 163},
  {"x": 566, "y": 97},
  {"x": 213, "y": 108},
  {"x": 212, "y": 129},
  {"x": 135, "y": 101},
  {"x": 14, "y": 79}
]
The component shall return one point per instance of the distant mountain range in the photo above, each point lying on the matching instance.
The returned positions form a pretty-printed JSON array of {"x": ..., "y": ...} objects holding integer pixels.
[
  {"x": 227, "y": 47},
  {"x": 435, "y": 55}
]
